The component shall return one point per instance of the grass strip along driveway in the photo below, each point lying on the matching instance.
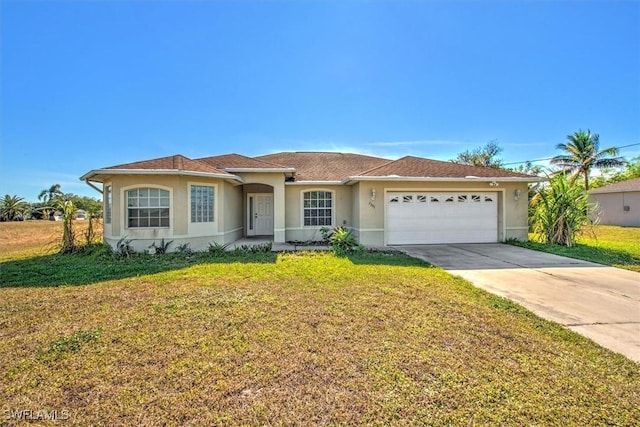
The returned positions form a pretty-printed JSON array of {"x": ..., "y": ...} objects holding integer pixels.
[
  {"x": 603, "y": 244},
  {"x": 290, "y": 339}
]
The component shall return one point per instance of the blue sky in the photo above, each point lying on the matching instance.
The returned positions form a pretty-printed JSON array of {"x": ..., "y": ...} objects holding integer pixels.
[{"x": 87, "y": 84}]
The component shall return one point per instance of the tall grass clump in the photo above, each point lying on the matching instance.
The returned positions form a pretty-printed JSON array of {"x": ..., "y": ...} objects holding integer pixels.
[
  {"x": 68, "y": 233},
  {"x": 560, "y": 210}
]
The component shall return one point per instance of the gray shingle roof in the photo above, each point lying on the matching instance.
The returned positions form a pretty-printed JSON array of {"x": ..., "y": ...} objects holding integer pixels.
[
  {"x": 231, "y": 161},
  {"x": 323, "y": 166},
  {"x": 177, "y": 162},
  {"x": 619, "y": 187},
  {"x": 410, "y": 166}
]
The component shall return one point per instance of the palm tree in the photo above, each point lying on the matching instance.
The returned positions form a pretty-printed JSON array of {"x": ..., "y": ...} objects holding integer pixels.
[
  {"x": 48, "y": 197},
  {"x": 12, "y": 208},
  {"x": 582, "y": 155}
]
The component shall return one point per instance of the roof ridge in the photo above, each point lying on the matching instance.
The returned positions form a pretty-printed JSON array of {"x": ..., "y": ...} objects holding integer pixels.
[
  {"x": 174, "y": 162},
  {"x": 381, "y": 166},
  {"x": 145, "y": 160},
  {"x": 178, "y": 162},
  {"x": 260, "y": 160},
  {"x": 203, "y": 159}
]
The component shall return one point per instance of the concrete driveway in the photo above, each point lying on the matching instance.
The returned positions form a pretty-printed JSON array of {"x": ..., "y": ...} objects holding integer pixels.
[{"x": 599, "y": 302}]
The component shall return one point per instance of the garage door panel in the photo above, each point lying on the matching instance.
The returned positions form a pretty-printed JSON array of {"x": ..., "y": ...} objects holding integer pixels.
[{"x": 430, "y": 218}]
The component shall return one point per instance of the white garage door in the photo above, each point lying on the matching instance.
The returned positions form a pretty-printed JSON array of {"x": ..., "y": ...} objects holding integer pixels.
[{"x": 423, "y": 217}]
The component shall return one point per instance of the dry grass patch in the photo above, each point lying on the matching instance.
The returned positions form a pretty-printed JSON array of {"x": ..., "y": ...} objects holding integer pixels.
[
  {"x": 304, "y": 339},
  {"x": 23, "y": 239}
]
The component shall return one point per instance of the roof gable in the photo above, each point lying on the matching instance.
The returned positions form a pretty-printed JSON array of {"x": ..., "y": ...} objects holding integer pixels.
[
  {"x": 238, "y": 161},
  {"x": 176, "y": 163},
  {"x": 324, "y": 166},
  {"x": 418, "y": 167},
  {"x": 619, "y": 187}
]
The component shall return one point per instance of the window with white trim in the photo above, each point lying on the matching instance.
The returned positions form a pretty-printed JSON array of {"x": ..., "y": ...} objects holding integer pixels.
[
  {"x": 108, "y": 200},
  {"x": 317, "y": 208},
  {"x": 148, "y": 208},
  {"x": 202, "y": 203}
]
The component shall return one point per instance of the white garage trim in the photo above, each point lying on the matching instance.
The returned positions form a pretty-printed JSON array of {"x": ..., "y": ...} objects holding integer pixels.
[{"x": 491, "y": 224}]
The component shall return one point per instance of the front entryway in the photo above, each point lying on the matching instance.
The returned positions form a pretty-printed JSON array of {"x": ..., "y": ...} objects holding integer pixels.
[{"x": 259, "y": 214}]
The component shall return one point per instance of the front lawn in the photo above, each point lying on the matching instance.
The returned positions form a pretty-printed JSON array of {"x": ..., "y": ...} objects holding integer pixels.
[
  {"x": 604, "y": 244},
  {"x": 290, "y": 339}
]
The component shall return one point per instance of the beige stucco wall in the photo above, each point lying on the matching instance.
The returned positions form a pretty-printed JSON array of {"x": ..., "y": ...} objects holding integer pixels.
[
  {"x": 231, "y": 201},
  {"x": 512, "y": 214},
  {"x": 354, "y": 208},
  {"x": 611, "y": 207},
  {"x": 226, "y": 227},
  {"x": 295, "y": 229}
]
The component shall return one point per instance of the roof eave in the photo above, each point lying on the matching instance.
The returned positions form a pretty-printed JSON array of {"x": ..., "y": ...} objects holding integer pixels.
[
  {"x": 317, "y": 182},
  {"x": 354, "y": 179},
  {"x": 90, "y": 176},
  {"x": 625, "y": 190}
]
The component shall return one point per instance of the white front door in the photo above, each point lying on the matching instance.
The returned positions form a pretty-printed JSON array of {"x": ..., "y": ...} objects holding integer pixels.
[{"x": 259, "y": 214}]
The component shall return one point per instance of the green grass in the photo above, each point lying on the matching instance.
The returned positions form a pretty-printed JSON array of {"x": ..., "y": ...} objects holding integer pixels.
[
  {"x": 289, "y": 339},
  {"x": 604, "y": 244}
]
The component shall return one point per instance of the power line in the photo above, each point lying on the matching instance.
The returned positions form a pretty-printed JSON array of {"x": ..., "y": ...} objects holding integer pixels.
[{"x": 549, "y": 158}]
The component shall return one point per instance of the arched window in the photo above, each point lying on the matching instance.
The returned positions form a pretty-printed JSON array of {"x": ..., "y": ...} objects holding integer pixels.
[
  {"x": 317, "y": 208},
  {"x": 148, "y": 208}
]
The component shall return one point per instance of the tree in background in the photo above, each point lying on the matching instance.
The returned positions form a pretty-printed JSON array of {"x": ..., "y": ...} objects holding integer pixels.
[
  {"x": 528, "y": 168},
  {"x": 13, "y": 208},
  {"x": 630, "y": 171},
  {"x": 85, "y": 203},
  {"x": 485, "y": 156},
  {"x": 48, "y": 198},
  {"x": 582, "y": 153},
  {"x": 560, "y": 210}
]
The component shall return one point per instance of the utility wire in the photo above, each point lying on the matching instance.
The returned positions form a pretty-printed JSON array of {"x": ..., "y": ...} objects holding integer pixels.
[{"x": 549, "y": 158}]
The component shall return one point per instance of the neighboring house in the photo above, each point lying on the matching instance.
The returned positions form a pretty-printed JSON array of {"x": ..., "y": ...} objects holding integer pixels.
[
  {"x": 619, "y": 203},
  {"x": 291, "y": 196}
]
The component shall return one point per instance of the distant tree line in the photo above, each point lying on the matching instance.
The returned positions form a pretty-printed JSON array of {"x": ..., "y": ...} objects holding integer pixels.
[{"x": 50, "y": 201}]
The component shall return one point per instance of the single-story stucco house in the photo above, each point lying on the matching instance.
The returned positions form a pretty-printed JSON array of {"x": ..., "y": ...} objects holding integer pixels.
[
  {"x": 292, "y": 195},
  {"x": 619, "y": 203}
]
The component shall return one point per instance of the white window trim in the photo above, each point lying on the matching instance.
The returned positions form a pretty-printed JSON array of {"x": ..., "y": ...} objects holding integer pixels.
[
  {"x": 333, "y": 208},
  {"x": 108, "y": 213},
  {"x": 215, "y": 202},
  {"x": 125, "y": 206}
]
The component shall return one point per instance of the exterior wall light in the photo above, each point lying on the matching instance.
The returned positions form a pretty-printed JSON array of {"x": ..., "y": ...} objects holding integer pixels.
[
  {"x": 493, "y": 184},
  {"x": 373, "y": 194},
  {"x": 516, "y": 195}
]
